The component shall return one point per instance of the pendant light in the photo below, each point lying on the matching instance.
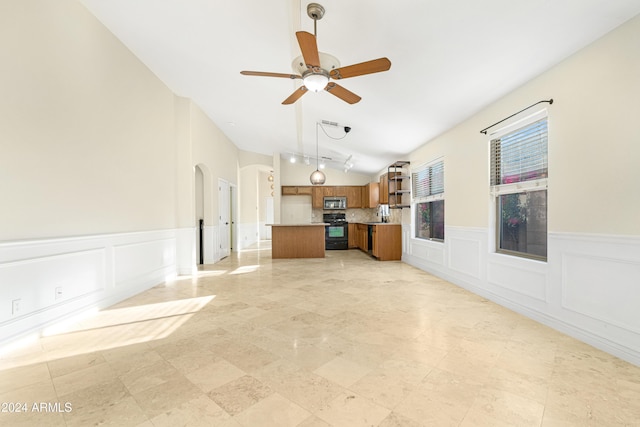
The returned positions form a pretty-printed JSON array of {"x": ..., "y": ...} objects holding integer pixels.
[{"x": 317, "y": 177}]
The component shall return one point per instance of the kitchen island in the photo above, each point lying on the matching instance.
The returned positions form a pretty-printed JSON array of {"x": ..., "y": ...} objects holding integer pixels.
[{"x": 297, "y": 240}]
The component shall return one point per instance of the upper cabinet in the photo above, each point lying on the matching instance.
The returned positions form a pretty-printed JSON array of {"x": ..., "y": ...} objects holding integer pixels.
[
  {"x": 292, "y": 190},
  {"x": 354, "y": 196},
  {"x": 384, "y": 189},
  {"x": 317, "y": 196},
  {"x": 371, "y": 195},
  {"x": 319, "y": 192},
  {"x": 357, "y": 196}
]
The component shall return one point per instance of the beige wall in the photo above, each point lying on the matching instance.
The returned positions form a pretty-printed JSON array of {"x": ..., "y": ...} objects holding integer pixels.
[
  {"x": 254, "y": 189},
  {"x": 264, "y": 192},
  {"x": 246, "y": 158},
  {"x": 86, "y": 131},
  {"x": 92, "y": 142},
  {"x": 214, "y": 150},
  {"x": 594, "y": 142},
  {"x": 249, "y": 194}
]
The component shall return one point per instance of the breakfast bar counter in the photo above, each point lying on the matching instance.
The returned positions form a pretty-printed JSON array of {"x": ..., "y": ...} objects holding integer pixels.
[{"x": 297, "y": 240}]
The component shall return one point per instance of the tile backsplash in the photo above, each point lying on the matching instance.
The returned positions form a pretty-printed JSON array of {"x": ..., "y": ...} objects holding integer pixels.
[{"x": 361, "y": 215}]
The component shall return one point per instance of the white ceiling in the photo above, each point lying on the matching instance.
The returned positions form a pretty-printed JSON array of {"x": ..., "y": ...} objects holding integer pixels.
[{"x": 449, "y": 60}]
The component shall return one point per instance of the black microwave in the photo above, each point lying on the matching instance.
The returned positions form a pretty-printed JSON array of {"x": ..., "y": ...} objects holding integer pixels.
[{"x": 333, "y": 203}]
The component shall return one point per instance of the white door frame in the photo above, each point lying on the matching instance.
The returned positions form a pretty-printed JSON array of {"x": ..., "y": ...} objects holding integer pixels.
[
  {"x": 224, "y": 219},
  {"x": 233, "y": 204}
]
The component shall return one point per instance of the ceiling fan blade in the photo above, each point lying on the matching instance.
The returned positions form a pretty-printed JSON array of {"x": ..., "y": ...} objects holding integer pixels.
[
  {"x": 309, "y": 48},
  {"x": 295, "y": 95},
  {"x": 369, "y": 67},
  {"x": 342, "y": 93},
  {"x": 265, "y": 74}
]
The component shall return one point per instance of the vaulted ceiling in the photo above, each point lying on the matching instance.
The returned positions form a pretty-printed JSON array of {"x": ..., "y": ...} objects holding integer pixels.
[{"x": 449, "y": 60}]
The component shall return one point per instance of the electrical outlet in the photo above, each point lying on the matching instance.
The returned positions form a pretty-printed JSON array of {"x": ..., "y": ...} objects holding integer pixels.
[
  {"x": 15, "y": 306},
  {"x": 58, "y": 292}
]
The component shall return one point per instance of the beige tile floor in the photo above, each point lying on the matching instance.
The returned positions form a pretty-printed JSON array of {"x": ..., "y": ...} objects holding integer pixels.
[{"x": 340, "y": 341}]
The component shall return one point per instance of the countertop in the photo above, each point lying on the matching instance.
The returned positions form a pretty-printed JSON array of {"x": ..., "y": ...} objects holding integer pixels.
[{"x": 307, "y": 224}]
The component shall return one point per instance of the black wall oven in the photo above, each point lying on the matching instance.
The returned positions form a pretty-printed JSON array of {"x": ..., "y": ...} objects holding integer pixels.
[{"x": 336, "y": 233}]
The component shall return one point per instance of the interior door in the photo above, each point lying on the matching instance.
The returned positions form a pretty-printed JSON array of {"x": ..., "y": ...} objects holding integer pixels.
[{"x": 224, "y": 218}]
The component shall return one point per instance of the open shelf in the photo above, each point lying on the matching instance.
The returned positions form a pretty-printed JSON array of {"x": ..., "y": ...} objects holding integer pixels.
[{"x": 399, "y": 184}]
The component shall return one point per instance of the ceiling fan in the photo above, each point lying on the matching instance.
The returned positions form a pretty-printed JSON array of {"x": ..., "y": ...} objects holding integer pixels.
[{"x": 317, "y": 69}]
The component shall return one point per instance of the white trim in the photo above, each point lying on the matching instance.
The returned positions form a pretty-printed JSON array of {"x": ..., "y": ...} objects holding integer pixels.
[
  {"x": 519, "y": 123},
  {"x": 519, "y": 187}
]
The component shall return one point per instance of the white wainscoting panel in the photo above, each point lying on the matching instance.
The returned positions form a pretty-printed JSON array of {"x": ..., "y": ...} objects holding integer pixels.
[
  {"x": 209, "y": 243},
  {"x": 54, "y": 279},
  {"x": 248, "y": 234},
  {"x": 589, "y": 287},
  {"x": 406, "y": 238},
  {"x": 133, "y": 262},
  {"x": 186, "y": 240},
  {"x": 588, "y": 283},
  {"x": 596, "y": 289},
  {"x": 425, "y": 250},
  {"x": 518, "y": 275},
  {"x": 464, "y": 256},
  {"x": 41, "y": 282},
  {"x": 466, "y": 253},
  {"x": 264, "y": 232}
]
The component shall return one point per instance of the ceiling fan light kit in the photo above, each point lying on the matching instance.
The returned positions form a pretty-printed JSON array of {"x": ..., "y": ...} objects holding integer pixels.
[{"x": 315, "y": 81}]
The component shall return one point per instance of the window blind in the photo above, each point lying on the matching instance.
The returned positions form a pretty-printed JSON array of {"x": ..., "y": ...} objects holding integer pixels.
[
  {"x": 520, "y": 155},
  {"x": 428, "y": 180}
]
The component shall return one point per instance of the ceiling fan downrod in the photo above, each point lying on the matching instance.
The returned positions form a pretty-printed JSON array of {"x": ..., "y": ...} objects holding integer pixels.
[{"x": 315, "y": 12}]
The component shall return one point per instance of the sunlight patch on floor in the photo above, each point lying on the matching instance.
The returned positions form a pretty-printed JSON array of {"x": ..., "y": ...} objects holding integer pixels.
[
  {"x": 112, "y": 328},
  {"x": 245, "y": 269}
]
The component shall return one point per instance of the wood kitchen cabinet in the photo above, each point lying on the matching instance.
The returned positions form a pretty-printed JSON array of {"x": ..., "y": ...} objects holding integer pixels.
[
  {"x": 371, "y": 195},
  {"x": 362, "y": 236},
  {"x": 318, "y": 193},
  {"x": 352, "y": 235},
  {"x": 330, "y": 191},
  {"x": 384, "y": 189},
  {"x": 296, "y": 190},
  {"x": 288, "y": 190},
  {"x": 317, "y": 196},
  {"x": 354, "y": 196},
  {"x": 306, "y": 190},
  {"x": 386, "y": 240}
]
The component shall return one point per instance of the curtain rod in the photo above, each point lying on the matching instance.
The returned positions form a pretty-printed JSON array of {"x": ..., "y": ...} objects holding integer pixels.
[{"x": 550, "y": 101}]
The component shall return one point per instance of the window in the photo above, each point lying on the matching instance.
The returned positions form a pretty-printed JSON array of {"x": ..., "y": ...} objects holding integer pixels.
[
  {"x": 428, "y": 198},
  {"x": 519, "y": 183}
]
